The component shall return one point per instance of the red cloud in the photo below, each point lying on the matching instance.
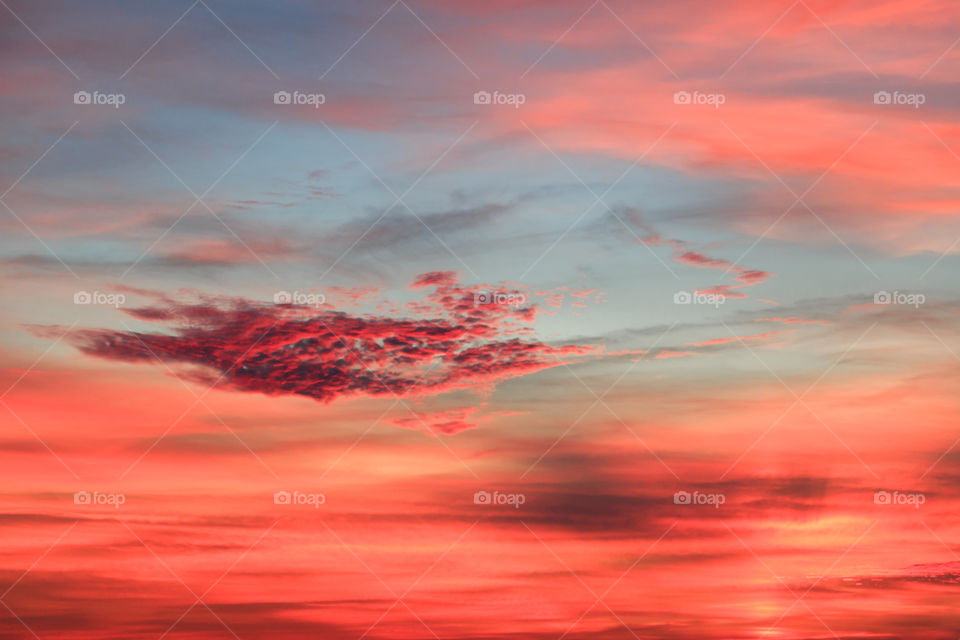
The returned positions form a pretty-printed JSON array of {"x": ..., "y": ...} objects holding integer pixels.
[
  {"x": 445, "y": 422},
  {"x": 758, "y": 336},
  {"x": 795, "y": 320},
  {"x": 450, "y": 421},
  {"x": 746, "y": 277},
  {"x": 452, "y": 342},
  {"x": 433, "y": 278}
]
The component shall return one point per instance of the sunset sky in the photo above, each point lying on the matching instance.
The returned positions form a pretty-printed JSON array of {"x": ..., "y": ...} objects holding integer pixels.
[{"x": 475, "y": 320}]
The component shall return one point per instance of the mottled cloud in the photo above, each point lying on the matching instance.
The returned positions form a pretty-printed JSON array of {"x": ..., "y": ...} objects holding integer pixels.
[{"x": 457, "y": 337}]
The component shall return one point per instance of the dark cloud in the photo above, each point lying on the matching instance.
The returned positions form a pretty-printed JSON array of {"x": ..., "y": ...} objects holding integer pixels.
[{"x": 447, "y": 341}]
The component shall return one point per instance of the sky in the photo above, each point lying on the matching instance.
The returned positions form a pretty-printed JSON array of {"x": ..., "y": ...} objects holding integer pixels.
[{"x": 479, "y": 320}]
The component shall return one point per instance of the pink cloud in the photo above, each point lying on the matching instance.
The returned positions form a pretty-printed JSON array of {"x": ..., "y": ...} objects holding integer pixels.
[
  {"x": 450, "y": 341},
  {"x": 758, "y": 336}
]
